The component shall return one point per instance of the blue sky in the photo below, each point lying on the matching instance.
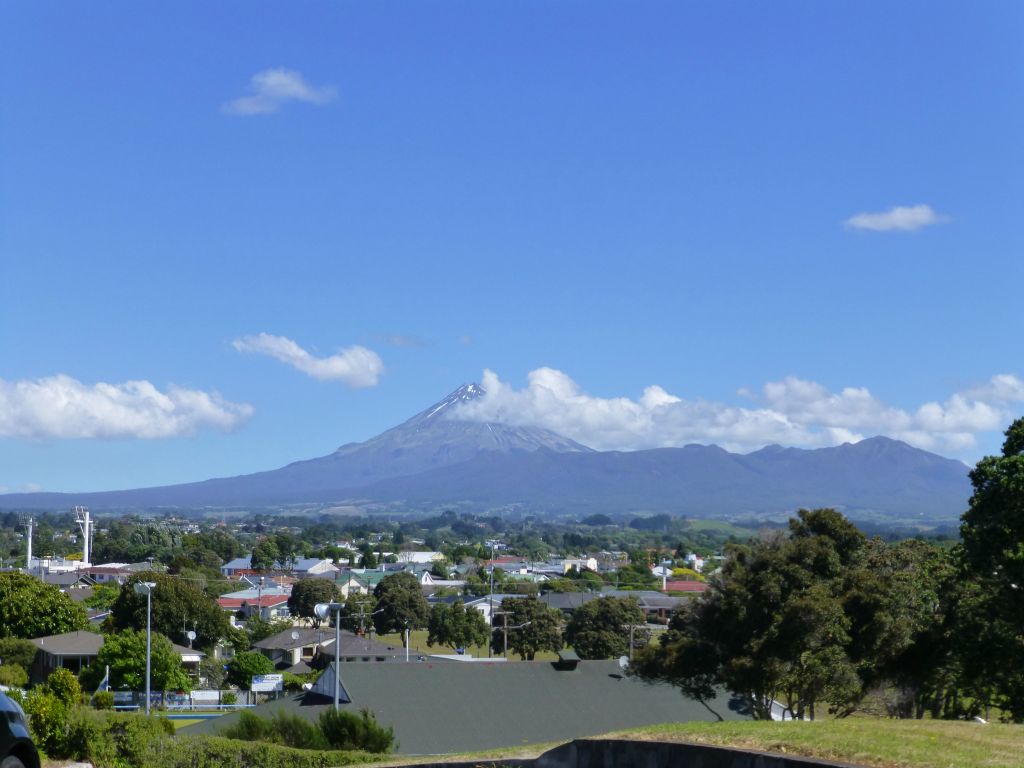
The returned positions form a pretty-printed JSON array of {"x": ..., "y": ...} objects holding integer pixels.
[{"x": 650, "y": 223}]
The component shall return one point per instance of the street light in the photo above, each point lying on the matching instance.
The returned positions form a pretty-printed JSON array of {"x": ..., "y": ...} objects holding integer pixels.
[
  {"x": 146, "y": 588},
  {"x": 323, "y": 610}
]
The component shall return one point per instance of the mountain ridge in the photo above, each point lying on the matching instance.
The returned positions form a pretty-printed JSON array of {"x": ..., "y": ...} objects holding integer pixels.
[{"x": 436, "y": 458}]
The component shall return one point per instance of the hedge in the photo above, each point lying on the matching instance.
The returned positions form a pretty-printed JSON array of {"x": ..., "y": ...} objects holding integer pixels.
[{"x": 218, "y": 752}]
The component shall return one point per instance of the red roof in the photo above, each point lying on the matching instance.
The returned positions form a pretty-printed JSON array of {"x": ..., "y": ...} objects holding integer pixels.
[
  {"x": 266, "y": 601},
  {"x": 685, "y": 586}
]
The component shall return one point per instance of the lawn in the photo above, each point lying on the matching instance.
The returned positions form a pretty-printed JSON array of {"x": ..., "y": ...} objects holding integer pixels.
[
  {"x": 862, "y": 740},
  {"x": 418, "y": 647}
]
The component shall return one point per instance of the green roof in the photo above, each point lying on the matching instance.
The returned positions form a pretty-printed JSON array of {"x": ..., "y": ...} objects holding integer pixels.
[{"x": 443, "y": 707}]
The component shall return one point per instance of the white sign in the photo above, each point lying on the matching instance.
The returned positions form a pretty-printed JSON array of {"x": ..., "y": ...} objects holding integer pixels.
[
  {"x": 263, "y": 683},
  {"x": 206, "y": 696}
]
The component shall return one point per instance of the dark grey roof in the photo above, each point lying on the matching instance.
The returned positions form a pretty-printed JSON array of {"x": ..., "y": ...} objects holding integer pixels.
[
  {"x": 79, "y": 643},
  {"x": 438, "y": 708}
]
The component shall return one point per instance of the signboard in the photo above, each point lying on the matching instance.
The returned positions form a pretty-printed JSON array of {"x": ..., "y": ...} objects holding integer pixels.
[
  {"x": 206, "y": 697},
  {"x": 263, "y": 683}
]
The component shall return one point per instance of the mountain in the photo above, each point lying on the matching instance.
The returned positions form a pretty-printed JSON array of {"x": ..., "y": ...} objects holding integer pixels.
[
  {"x": 877, "y": 479},
  {"x": 437, "y": 459}
]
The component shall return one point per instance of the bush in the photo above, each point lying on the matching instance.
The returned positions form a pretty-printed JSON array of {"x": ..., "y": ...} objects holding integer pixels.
[
  {"x": 64, "y": 685},
  {"x": 103, "y": 700},
  {"x": 116, "y": 740},
  {"x": 242, "y": 668},
  {"x": 48, "y": 721},
  {"x": 14, "y": 650},
  {"x": 281, "y": 728},
  {"x": 347, "y": 730},
  {"x": 228, "y": 697},
  {"x": 217, "y": 752},
  {"x": 13, "y": 675}
]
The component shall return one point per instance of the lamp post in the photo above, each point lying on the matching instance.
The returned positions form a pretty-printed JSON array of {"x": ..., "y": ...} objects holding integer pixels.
[
  {"x": 146, "y": 588},
  {"x": 490, "y": 600},
  {"x": 323, "y": 610}
]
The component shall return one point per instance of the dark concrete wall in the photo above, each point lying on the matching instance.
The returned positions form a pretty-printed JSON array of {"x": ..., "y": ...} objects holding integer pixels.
[{"x": 622, "y": 753}]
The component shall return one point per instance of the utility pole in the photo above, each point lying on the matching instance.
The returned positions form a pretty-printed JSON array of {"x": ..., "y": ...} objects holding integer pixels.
[{"x": 490, "y": 601}]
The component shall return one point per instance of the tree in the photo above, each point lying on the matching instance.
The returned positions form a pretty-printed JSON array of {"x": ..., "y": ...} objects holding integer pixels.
[
  {"x": 456, "y": 626},
  {"x": 265, "y": 555},
  {"x": 124, "y": 652},
  {"x": 532, "y": 626},
  {"x": 600, "y": 629},
  {"x": 306, "y": 593},
  {"x": 29, "y": 608},
  {"x": 244, "y": 665},
  {"x": 103, "y": 595},
  {"x": 14, "y": 650},
  {"x": 781, "y": 623},
  {"x": 992, "y": 531},
  {"x": 177, "y": 607},
  {"x": 63, "y": 684},
  {"x": 400, "y": 604}
]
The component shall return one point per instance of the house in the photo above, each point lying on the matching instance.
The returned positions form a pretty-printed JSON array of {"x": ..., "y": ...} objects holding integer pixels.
[
  {"x": 294, "y": 646},
  {"x": 350, "y": 584},
  {"x": 77, "y": 650},
  {"x": 436, "y": 708},
  {"x": 422, "y": 558},
  {"x": 269, "y": 603},
  {"x": 306, "y": 566},
  {"x": 312, "y": 566}
]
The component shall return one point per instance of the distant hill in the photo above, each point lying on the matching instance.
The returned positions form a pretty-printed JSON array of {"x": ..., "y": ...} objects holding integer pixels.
[{"x": 436, "y": 458}]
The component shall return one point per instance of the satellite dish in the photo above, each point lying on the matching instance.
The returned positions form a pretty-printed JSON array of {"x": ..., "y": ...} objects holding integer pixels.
[
  {"x": 295, "y": 635},
  {"x": 190, "y": 635},
  {"x": 623, "y": 662}
]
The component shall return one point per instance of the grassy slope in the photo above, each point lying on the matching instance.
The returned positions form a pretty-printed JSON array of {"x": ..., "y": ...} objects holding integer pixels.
[
  {"x": 864, "y": 741},
  {"x": 861, "y": 741}
]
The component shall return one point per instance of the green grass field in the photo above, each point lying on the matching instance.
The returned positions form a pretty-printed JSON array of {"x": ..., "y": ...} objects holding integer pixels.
[
  {"x": 863, "y": 741},
  {"x": 873, "y": 743},
  {"x": 418, "y": 646}
]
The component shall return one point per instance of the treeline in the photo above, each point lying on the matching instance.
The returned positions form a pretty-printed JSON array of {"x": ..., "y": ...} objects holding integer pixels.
[{"x": 823, "y": 617}]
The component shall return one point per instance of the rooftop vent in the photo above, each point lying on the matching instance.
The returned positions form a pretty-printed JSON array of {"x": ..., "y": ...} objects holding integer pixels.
[{"x": 567, "y": 661}]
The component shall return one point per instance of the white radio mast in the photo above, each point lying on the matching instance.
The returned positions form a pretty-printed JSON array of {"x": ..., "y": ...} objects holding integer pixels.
[
  {"x": 85, "y": 524},
  {"x": 28, "y": 557}
]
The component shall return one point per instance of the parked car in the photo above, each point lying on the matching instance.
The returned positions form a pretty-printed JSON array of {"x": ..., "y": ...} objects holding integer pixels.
[{"x": 16, "y": 747}]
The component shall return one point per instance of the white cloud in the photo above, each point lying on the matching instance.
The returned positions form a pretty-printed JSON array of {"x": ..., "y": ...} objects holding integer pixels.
[
  {"x": 355, "y": 366},
  {"x": 899, "y": 218},
  {"x": 63, "y": 407},
  {"x": 272, "y": 88},
  {"x": 791, "y": 411}
]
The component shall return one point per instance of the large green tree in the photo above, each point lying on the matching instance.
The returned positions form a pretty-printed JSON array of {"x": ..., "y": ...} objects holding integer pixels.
[
  {"x": 533, "y": 626},
  {"x": 600, "y": 628},
  {"x": 177, "y": 608},
  {"x": 306, "y": 593},
  {"x": 265, "y": 555},
  {"x": 400, "y": 604},
  {"x": 29, "y": 608},
  {"x": 456, "y": 626},
  {"x": 124, "y": 653},
  {"x": 817, "y": 616},
  {"x": 244, "y": 665},
  {"x": 993, "y": 556}
]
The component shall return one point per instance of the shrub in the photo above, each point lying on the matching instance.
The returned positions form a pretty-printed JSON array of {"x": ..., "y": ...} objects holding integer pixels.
[
  {"x": 103, "y": 700},
  {"x": 14, "y": 650},
  {"x": 217, "y": 752},
  {"x": 117, "y": 740},
  {"x": 48, "y": 721},
  {"x": 347, "y": 730},
  {"x": 242, "y": 668},
  {"x": 293, "y": 682},
  {"x": 281, "y": 728},
  {"x": 228, "y": 697},
  {"x": 13, "y": 675},
  {"x": 64, "y": 685}
]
